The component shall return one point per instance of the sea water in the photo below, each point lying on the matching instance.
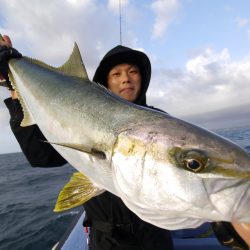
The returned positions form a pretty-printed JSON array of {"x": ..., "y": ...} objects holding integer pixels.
[
  {"x": 28, "y": 195},
  {"x": 27, "y": 198}
]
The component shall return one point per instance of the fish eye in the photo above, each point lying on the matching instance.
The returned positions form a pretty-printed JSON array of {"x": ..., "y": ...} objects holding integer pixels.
[
  {"x": 193, "y": 165},
  {"x": 193, "y": 160}
]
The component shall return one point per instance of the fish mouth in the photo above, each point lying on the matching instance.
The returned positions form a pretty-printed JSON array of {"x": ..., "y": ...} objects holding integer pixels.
[
  {"x": 241, "y": 210},
  {"x": 229, "y": 202}
]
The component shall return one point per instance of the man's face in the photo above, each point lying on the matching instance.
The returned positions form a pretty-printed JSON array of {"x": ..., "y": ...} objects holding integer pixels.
[{"x": 124, "y": 80}]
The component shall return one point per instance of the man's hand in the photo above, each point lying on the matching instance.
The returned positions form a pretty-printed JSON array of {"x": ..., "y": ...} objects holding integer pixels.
[
  {"x": 243, "y": 230},
  {"x": 5, "y": 41},
  {"x": 6, "y": 53},
  {"x": 229, "y": 235}
]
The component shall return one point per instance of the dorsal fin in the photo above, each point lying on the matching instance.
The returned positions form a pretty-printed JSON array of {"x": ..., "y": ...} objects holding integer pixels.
[{"x": 74, "y": 66}]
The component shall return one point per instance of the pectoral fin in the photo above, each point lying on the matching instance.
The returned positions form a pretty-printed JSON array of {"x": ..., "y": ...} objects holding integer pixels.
[
  {"x": 3, "y": 83},
  {"x": 85, "y": 149},
  {"x": 76, "y": 192}
]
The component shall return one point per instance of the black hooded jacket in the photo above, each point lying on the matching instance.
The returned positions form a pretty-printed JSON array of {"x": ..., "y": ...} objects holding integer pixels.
[
  {"x": 122, "y": 54},
  {"x": 113, "y": 224}
]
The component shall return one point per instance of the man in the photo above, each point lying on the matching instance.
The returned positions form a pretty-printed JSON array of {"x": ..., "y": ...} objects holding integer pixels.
[{"x": 126, "y": 73}]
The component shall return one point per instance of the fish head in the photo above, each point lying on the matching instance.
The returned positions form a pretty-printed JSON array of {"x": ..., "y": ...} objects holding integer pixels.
[{"x": 176, "y": 175}]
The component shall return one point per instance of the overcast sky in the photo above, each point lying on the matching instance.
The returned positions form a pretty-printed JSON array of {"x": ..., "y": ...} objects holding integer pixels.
[{"x": 199, "y": 50}]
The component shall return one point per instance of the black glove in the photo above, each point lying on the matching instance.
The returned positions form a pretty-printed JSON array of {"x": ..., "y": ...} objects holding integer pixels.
[
  {"x": 227, "y": 236},
  {"x": 6, "y": 53}
]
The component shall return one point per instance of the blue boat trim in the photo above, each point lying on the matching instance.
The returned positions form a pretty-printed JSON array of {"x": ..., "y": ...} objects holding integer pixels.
[{"x": 74, "y": 238}]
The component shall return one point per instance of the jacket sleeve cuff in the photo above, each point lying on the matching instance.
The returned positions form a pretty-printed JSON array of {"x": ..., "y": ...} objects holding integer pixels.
[
  {"x": 227, "y": 235},
  {"x": 15, "y": 110}
]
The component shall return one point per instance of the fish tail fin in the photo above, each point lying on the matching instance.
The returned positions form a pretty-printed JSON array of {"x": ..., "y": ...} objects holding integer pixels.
[{"x": 27, "y": 116}]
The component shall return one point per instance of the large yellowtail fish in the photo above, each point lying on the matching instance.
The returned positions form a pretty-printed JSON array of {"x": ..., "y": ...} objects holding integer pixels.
[{"x": 171, "y": 173}]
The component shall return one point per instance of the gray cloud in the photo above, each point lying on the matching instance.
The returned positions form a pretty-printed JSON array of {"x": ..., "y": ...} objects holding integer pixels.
[{"x": 210, "y": 81}]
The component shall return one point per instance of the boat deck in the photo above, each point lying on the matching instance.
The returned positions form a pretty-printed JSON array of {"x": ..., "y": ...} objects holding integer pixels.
[{"x": 191, "y": 239}]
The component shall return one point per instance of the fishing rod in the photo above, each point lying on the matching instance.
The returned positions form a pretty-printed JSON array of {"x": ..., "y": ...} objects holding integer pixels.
[{"x": 120, "y": 15}]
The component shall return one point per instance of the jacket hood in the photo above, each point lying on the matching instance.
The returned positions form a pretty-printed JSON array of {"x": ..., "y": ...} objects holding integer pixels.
[{"x": 121, "y": 54}]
